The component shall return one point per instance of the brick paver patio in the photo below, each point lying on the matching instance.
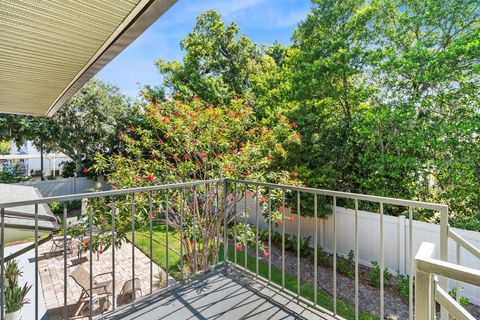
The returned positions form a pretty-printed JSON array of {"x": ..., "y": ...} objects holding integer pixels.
[{"x": 51, "y": 266}]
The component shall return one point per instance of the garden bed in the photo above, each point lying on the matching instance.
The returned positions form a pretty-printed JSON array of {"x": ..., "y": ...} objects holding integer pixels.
[{"x": 395, "y": 306}]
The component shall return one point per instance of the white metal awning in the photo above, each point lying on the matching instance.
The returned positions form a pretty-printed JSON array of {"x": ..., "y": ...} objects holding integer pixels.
[{"x": 50, "y": 48}]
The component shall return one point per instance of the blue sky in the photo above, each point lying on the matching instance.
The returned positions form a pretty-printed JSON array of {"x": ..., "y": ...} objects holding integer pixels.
[{"x": 261, "y": 20}]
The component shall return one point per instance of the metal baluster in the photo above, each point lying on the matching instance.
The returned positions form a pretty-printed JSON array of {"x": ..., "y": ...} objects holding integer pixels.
[
  {"x": 205, "y": 228},
  {"x": 335, "y": 255},
  {"x": 90, "y": 246},
  {"x": 410, "y": 256},
  {"x": 114, "y": 209},
  {"x": 382, "y": 266},
  {"x": 133, "y": 248},
  {"x": 283, "y": 239},
  {"x": 194, "y": 228},
  {"x": 166, "y": 234},
  {"x": 298, "y": 244},
  {"x": 356, "y": 262},
  {"x": 315, "y": 250},
  {"x": 36, "y": 261},
  {"x": 245, "y": 233},
  {"x": 225, "y": 226},
  {"x": 234, "y": 197},
  {"x": 457, "y": 285},
  {"x": 65, "y": 308},
  {"x": 150, "y": 220},
  {"x": 217, "y": 217},
  {"x": 256, "y": 230},
  {"x": 182, "y": 210},
  {"x": 2, "y": 262},
  {"x": 269, "y": 236}
]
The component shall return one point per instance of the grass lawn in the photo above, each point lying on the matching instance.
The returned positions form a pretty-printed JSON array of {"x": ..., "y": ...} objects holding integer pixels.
[
  {"x": 306, "y": 289},
  {"x": 142, "y": 242}
]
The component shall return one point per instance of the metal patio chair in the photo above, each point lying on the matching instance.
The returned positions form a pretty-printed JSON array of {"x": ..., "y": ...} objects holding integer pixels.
[{"x": 82, "y": 278}]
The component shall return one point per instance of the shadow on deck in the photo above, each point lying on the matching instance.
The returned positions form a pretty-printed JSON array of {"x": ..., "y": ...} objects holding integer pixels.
[{"x": 223, "y": 294}]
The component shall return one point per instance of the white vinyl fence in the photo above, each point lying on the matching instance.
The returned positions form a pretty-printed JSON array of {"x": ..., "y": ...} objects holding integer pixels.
[
  {"x": 396, "y": 239},
  {"x": 66, "y": 186}
]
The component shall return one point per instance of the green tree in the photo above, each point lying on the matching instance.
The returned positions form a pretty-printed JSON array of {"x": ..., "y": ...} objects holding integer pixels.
[
  {"x": 189, "y": 139},
  {"x": 330, "y": 89},
  {"x": 86, "y": 124},
  {"x": 218, "y": 64},
  {"x": 429, "y": 71},
  {"x": 5, "y": 147}
]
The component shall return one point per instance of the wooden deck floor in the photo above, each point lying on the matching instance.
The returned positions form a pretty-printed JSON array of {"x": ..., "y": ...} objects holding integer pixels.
[{"x": 222, "y": 294}]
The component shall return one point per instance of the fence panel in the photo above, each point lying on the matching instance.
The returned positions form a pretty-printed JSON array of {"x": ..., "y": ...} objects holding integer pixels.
[
  {"x": 66, "y": 186},
  {"x": 396, "y": 240}
]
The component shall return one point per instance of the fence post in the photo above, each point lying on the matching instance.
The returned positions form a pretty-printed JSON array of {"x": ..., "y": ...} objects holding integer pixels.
[{"x": 423, "y": 298}]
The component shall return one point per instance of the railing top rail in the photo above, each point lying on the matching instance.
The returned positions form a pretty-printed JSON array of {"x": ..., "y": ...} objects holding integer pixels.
[
  {"x": 428, "y": 264},
  {"x": 107, "y": 193},
  {"x": 341, "y": 194}
]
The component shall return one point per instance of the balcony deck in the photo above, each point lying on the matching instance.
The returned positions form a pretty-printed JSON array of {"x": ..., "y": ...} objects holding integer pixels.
[{"x": 223, "y": 294}]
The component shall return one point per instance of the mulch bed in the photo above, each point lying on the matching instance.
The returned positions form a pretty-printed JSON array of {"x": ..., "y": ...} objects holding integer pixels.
[{"x": 396, "y": 307}]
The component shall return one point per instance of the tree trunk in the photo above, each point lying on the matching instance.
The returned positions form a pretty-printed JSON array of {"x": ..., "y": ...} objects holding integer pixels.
[{"x": 78, "y": 165}]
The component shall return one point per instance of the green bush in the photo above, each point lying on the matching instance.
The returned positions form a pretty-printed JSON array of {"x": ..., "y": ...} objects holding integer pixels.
[
  {"x": 56, "y": 207},
  {"x": 346, "y": 265},
  {"x": 323, "y": 258},
  {"x": 403, "y": 285},
  {"x": 464, "y": 301},
  {"x": 373, "y": 275}
]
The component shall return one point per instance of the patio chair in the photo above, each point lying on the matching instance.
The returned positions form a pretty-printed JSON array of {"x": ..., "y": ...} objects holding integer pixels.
[
  {"x": 82, "y": 278},
  {"x": 127, "y": 294},
  {"x": 58, "y": 244}
]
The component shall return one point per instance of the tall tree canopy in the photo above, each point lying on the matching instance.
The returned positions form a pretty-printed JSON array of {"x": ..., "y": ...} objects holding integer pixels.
[{"x": 384, "y": 94}]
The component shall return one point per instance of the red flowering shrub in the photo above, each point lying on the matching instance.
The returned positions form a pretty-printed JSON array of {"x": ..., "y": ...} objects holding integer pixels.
[{"x": 183, "y": 140}]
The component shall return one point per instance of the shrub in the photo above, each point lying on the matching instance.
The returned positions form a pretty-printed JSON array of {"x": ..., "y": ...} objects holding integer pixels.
[
  {"x": 56, "y": 207},
  {"x": 323, "y": 258},
  {"x": 373, "y": 275},
  {"x": 464, "y": 301},
  {"x": 263, "y": 235},
  {"x": 346, "y": 265},
  {"x": 403, "y": 285},
  {"x": 305, "y": 246}
]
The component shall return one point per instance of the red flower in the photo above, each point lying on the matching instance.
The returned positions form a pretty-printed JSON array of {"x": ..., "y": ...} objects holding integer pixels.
[
  {"x": 101, "y": 251},
  {"x": 235, "y": 97},
  {"x": 164, "y": 120},
  {"x": 150, "y": 177},
  {"x": 149, "y": 99},
  {"x": 86, "y": 243},
  {"x": 239, "y": 247},
  {"x": 203, "y": 155},
  {"x": 218, "y": 155},
  {"x": 85, "y": 170},
  {"x": 266, "y": 253},
  {"x": 291, "y": 219},
  {"x": 247, "y": 173},
  {"x": 263, "y": 198},
  {"x": 244, "y": 112}
]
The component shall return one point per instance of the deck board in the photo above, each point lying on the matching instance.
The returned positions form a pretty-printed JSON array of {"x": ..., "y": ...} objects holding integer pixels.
[{"x": 221, "y": 295}]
